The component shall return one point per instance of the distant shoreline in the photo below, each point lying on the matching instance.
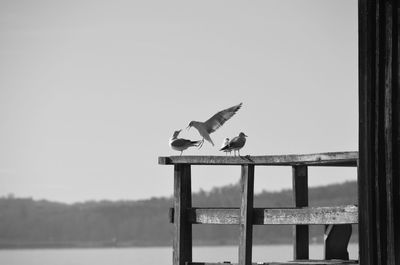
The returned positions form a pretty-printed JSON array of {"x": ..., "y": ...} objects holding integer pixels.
[
  {"x": 30, "y": 224},
  {"x": 99, "y": 245}
]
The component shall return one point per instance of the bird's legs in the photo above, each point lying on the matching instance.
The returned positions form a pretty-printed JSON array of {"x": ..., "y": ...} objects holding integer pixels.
[
  {"x": 239, "y": 152},
  {"x": 181, "y": 153},
  {"x": 201, "y": 143}
]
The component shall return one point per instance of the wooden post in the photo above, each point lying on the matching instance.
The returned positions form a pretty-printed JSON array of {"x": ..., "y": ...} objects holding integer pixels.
[
  {"x": 246, "y": 215},
  {"x": 300, "y": 197},
  {"x": 379, "y": 132},
  {"x": 182, "y": 202}
]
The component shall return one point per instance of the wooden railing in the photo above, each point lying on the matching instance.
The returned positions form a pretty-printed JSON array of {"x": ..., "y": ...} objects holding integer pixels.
[{"x": 337, "y": 219}]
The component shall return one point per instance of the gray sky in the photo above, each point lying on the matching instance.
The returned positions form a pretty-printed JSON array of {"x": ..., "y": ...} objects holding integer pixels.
[{"x": 91, "y": 91}]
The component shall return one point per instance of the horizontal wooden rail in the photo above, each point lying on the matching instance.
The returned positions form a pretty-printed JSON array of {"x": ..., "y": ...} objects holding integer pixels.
[
  {"x": 341, "y": 159},
  {"x": 273, "y": 216},
  {"x": 296, "y": 262}
]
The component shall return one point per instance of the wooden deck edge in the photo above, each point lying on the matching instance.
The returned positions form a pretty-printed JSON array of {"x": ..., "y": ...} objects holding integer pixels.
[
  {"x": 341, "y": 159},
  {"x": 347, "y": 214},
  {"x": 298, "y": 262}
]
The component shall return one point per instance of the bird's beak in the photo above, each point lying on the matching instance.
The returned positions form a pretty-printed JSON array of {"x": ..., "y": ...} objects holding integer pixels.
[{"x": 245, "y": 136}]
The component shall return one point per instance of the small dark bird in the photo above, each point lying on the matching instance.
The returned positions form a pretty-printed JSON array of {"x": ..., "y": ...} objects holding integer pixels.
[
  {"x": 180, "y": 144},
  {"x": 225, "y": 143},
  {"x": 235, "y": 144}
]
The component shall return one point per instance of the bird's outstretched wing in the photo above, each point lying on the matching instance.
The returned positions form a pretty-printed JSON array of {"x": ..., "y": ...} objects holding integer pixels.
[{"x": 220, "y": 118}]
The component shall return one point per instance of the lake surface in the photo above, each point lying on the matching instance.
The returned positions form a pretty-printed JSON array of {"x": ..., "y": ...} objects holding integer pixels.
[{"x": 151, "y": 255}]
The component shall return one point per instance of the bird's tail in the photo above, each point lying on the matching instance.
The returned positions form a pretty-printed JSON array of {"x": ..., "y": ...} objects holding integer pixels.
[
  {"x": 195, "y": 143},
  {"x": 226, "y": 147}
]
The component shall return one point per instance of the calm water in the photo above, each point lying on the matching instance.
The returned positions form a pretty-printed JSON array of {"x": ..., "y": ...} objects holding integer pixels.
[{"x": 150, "y": 256}]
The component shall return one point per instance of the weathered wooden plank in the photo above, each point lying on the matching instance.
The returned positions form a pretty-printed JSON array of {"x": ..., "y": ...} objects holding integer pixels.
[
  {"x": 182, "y": 245},
  {"x": 343, "y": 159},
  {"x": 225, "y": 216},
  {"x": 296, "y": 262},
  {"x": 300, "y": 199},
  {"x": 312, "y": 215},
  {"x": 246, "y": 215},
  {"x": 277, "y": 216}
]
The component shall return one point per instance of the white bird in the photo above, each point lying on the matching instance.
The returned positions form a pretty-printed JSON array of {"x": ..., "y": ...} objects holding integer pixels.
[
  {"x": 180, "y": 144},
  {"x": 235, "y": 144},
  {"x": 213, "y": 123},
  {"x": 225, "y": 143}
]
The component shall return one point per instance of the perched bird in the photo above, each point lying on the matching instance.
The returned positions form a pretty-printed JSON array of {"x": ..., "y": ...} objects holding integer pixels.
[
  {"x": 235, "y": 144},
  {"x": 180, "y": 144},
  {"x": 226, "y": 143},
  {"x": 213, "y": 123}
]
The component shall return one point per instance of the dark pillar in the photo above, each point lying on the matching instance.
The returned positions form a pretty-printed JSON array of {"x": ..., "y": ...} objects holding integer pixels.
[
  {"x": 300, "y": 199},
  {"x": 182, "y": 202},
  {"x": 379, "y": 140},
  {"x": 246, "y": 215}
]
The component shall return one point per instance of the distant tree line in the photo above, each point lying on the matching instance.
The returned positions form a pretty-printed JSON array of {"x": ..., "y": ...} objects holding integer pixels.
[{"x": 25, "y": 222}]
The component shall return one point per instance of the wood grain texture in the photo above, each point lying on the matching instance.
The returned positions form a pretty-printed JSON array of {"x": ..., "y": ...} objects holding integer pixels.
[
  {"x": 182, "y": 244},
  {"x": 246, "y": 215},
  {"x": 297, "y": 262},
  {"x": 366, "y": 60},
  {"x": 378, "y": 181},
  {"x": 300, "y": 199},
  {"x": 223, "y": 216},
  {"x": 347, "y": 214},
  {"x": 312, "y": 215},
  {"x": 343, "y": 159}
]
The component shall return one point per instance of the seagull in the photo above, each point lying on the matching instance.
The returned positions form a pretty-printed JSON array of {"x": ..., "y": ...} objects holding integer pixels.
[
  {"x": 226, "y": 143},
  {"x": 180, "y": 144},
  {"x": 213, "y": 123},
  {"x": 235, "y": 144}
]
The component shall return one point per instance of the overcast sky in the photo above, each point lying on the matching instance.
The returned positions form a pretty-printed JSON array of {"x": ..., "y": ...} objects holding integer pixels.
[{"x": 91, "y": 91}]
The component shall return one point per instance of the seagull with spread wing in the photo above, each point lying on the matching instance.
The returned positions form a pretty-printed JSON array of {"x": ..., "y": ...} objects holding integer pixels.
[
  {"x": 180, "y": 144},
  {"x": 213, "y": 123}
]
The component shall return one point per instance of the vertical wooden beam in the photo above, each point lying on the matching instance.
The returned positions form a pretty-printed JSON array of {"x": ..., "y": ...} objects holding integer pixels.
[
  {"x": 366, "y": 59},
  {"x": 182, "y": 251},
  {"x": 395, "y": 188},
  {"x": 300, "y": 198},
  {"x": 246, "y": 215},
  {"x": 391, "y": 88},
  {"x": 379, "y": 140}
]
